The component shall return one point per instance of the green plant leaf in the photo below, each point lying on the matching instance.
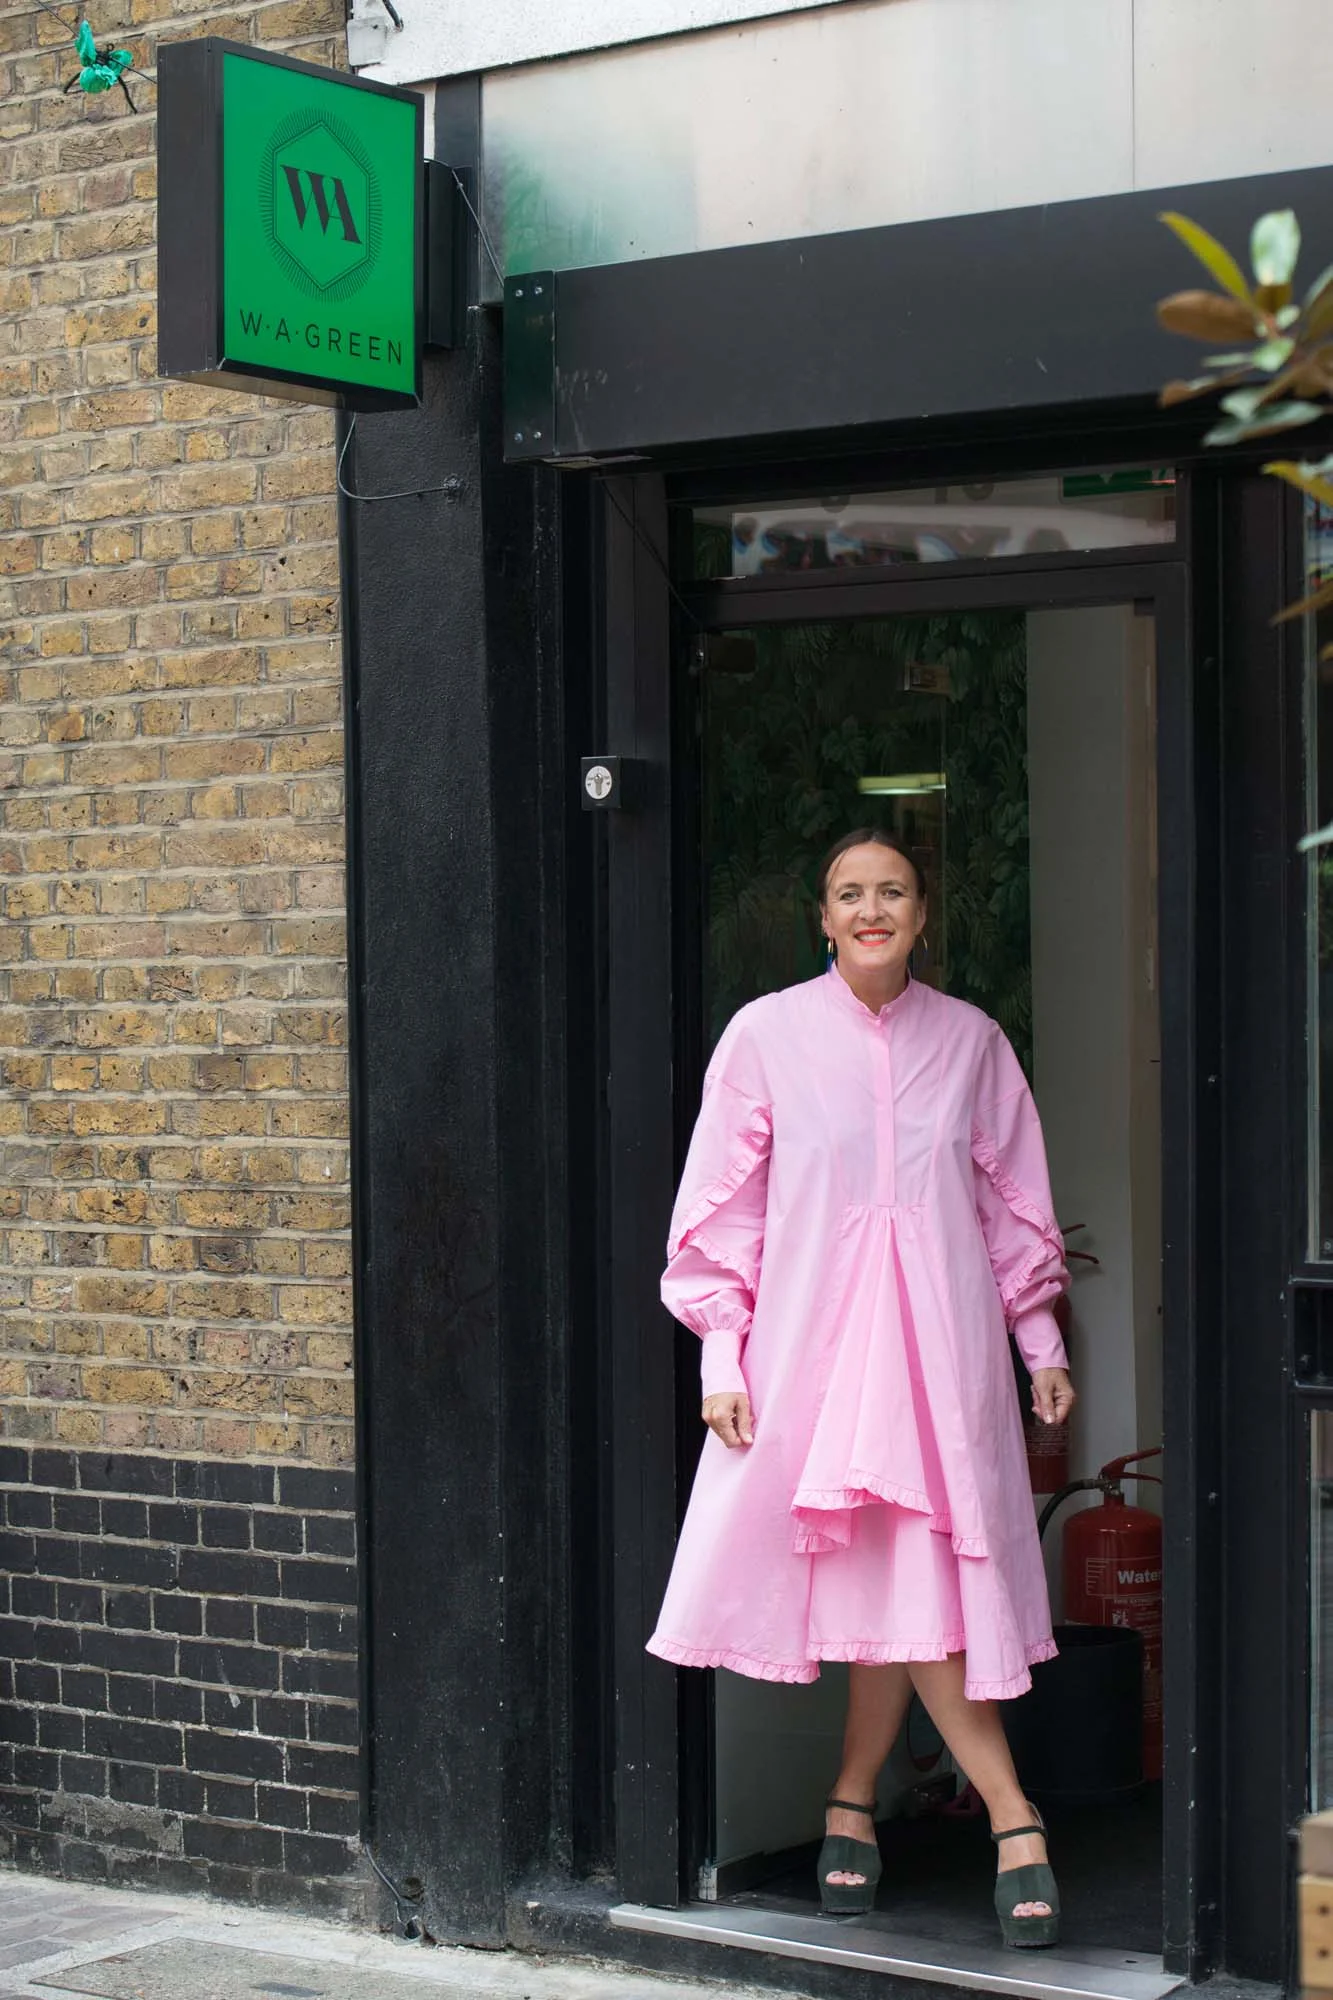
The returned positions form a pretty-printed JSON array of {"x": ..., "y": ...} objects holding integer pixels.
[
  {"x": 1207, "y": 316},
  {"x": 1236, "y": 360},
  {"x": 1210, "y": 253},
  {"x": 1181, "y": 392},
  {"x": 1275, "y": 244},
  {"x": 1319, "y": 599},
  {"x": 1271, "y": 355},
  {"x": 1242, "y": 403},
  {"x": 1311, "y": 479},
  {"x": 1319, "y": 315},
  {"x": 1272, "y": 417},
  {"x": 1323, "y": 283}
]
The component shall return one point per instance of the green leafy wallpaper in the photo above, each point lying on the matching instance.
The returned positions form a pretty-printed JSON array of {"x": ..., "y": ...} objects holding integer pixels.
[{"x": 784, "y": 747}]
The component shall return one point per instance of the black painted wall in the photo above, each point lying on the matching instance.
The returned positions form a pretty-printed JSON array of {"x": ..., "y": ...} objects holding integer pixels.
[{"x": 458, "y": 840}]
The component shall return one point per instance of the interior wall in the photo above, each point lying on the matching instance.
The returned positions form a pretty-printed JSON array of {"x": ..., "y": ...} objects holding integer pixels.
[
  {"x": 777, "y": 1755},
  {"x": 1094, "y": 1003}
]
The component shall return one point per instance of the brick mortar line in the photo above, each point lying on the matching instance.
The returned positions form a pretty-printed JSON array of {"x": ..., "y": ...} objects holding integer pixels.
[
  {"x": 175, "y": 1325},
  {"x": 136, "y": 1316},
  {"x": 258, "y": 1462},
  {"x": 110, "y": 1538},
  {"x": 122, "y": 699},
  {"x": 47, "y": 1094},
  {"x": 146, "y": 567},
  {"x": 137, "y": 829},
  {"x": 194, "y": 822},
  {"x": 240, "y": 1142},
  {"x": 203, "y": 652},
  {"x": 199, "y": 1638},
  {"x": 255, "y": 732},
  {"x": 269, "y": 1233},
  {"x": 138, "y": 564},
  {"x": 50, "y": 1093},
  {"x": 118, "y": 1496}
]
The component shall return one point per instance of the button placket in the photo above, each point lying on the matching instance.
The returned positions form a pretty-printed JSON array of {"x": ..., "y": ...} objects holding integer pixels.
[{"x": 886, "y": 1176}]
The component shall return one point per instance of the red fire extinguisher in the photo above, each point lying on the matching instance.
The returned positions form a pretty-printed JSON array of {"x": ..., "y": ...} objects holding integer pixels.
[{"x": 1112, "y": 1571}]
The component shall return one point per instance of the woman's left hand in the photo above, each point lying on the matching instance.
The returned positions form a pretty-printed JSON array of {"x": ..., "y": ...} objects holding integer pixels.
[{"x": 1053, "y": 1395}]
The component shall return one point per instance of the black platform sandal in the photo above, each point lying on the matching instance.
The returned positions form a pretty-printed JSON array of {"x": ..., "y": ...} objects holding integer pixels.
[
  {"x": 1033, "y": 1882},
  {"x": 841, "y": 1855}
]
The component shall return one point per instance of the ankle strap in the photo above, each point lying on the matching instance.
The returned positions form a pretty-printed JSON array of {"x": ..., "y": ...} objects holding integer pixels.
[
  {"x": 1014, "y": 1833},
  {"x": 850, "y": 1805}
]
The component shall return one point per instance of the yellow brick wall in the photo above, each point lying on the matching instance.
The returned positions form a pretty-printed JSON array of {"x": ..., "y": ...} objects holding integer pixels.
[{"x": 174, "y": 1255}]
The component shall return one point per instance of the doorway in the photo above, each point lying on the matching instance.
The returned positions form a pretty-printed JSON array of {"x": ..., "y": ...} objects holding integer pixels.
[
  {"x": 798, "y": 673},
  {"x": 1005, "y": 725},
  {"x": 1013, "y": 750}
]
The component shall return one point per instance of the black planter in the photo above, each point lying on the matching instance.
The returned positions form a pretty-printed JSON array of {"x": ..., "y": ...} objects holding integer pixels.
[{"x": 1078, "y": 1735}]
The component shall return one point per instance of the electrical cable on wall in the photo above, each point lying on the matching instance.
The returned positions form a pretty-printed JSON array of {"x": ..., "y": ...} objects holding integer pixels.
[
  {"x": 656, "y": 555},
  {"x": 453, "y": 486},
  {"x": 481, "y": 227},
  {"x": 405, "y": 1900}
]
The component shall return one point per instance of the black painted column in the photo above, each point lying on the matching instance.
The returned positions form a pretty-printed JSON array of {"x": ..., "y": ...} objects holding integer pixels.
[{"x": 458, "y": 837}]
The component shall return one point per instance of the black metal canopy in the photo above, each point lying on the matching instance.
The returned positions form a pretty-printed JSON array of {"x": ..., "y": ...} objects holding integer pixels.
[{"x": 1023, "y": 310}]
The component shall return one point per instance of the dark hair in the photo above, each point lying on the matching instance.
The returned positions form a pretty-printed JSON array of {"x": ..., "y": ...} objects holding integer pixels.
[{"x": 861, "y": 836}]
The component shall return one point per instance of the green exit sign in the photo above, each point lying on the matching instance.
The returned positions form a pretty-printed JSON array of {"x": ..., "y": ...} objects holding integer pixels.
[{"x": 289, "y": 227}]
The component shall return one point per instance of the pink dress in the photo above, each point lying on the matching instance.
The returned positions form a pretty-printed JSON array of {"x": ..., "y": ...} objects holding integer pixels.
[{"x": 864, "y": 1206}]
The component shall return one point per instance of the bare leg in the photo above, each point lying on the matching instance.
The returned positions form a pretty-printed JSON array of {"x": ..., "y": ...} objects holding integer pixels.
[
  {"x": 877, "y": 1700},
  {"x": 976, "y": 1739}
]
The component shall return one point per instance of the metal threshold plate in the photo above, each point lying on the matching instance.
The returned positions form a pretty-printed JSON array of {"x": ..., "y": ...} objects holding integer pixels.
[{"x": 872, "y": 1945}]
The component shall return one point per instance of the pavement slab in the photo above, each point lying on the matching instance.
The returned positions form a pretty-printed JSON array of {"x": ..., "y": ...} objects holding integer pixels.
[{"x": 62, "y": 1938}]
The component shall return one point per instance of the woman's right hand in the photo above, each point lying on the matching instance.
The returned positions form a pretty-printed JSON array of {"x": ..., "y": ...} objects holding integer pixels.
[{"x": 730, "y": 1418}]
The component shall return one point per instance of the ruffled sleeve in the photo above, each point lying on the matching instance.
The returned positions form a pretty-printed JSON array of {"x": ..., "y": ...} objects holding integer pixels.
[
  {"x": 715, "y": 1247},
  {"x": 1013, "y": 1194}
]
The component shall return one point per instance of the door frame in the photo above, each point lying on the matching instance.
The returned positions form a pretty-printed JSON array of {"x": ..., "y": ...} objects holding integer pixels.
[{"x": 663, "y": 1731}]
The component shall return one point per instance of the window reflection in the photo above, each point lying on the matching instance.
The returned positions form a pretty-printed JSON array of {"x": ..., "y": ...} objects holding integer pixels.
[{"x": 1080, "y": 512}]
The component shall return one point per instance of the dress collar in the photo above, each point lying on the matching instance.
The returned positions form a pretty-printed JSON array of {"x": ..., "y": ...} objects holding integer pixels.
[{"x": 844, "y": 996}]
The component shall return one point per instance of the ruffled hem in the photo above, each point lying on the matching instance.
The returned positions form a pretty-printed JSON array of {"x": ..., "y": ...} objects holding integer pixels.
[
  {"x": 1017, "y": 1684},
  {"x": 1052, "y": 1242},
  {"x": 867, "y": 1488},
  {"x": 857, "y": 1652},
  {"x": 725, "y": 1257},
  {"x": 751, "y": 1148}
]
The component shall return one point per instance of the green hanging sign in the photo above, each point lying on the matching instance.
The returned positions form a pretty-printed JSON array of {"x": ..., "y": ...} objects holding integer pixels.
[{"x": 290, "y": 227}]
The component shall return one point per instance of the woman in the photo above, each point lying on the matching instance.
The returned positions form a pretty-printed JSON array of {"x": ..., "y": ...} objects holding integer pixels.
[{"x": 864, "y": 1207}]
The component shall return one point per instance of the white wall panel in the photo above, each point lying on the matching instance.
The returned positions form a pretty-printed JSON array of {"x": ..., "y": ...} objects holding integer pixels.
[
  {"x": 1230, "y": 87},
  {"x": 454, "y": 37},
  {"x": 892, "y": 111}
]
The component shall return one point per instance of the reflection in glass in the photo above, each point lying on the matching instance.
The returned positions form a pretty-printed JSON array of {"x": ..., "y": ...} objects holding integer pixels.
[
  {"x": 979, "y": 521},
  {"x": 1321, "y": 1611},
  {"x": 1319, "y": 767}
]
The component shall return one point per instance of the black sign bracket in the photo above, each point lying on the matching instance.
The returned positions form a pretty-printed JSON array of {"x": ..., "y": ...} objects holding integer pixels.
[{"x": 529, "y": 367}]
